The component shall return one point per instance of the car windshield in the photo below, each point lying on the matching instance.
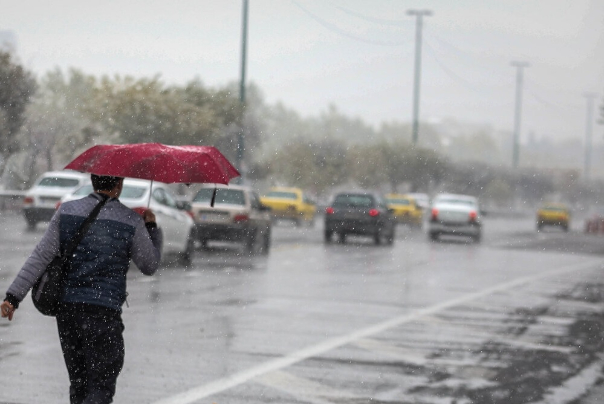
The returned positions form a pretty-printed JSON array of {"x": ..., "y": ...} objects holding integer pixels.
[
  {"x": 398, "y": 201},
  {"x": 59, "y": 182},
  {"x": 133, "y": 192},
  {"x": 281, "y": 195},
  {"x": 553, "y": 209},
  {"x": 83, "y": 190},
  {"x": 353, "y": 201},
  {"x": 223, "y": 196},
  {"x": 456, "y": 201}
]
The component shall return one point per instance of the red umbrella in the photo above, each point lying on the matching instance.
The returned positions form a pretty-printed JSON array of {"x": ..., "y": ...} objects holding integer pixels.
[{"x": 157, "y": 162}]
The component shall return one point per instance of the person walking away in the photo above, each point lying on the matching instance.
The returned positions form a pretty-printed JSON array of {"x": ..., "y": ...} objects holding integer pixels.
[{"x": 89, "y": 321}]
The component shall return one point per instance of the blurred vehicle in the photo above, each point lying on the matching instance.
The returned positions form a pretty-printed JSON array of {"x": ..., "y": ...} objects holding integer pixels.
[
  {"x": 553, "y": 214},
  {"x": 422, "y": 200},
  {"x": 405, "y": 209},
  {"x": 173, "y": 217},
  {"x": 290, "y": 204},
  {"x": 237, "y": 216},
  {"x": 454, "y": 214},
  {"x": 595, "y": 221},
  {"x": 360, "y": 213},
  {"x": 40, "y": 200}
]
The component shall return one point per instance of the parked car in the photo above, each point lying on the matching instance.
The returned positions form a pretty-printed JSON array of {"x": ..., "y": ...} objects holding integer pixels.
[
  {"x": 360, "y": 213},
  {"x": 553, "y": 214},
  {"x": 405, "y": 209},
  {"x": 236, "y": 216},
  {"x": 40, "y": 200},
  {"x": 457, "y": 215},
  {"x": 173, "y": 217},
  {"x": 290, "y": 204}
]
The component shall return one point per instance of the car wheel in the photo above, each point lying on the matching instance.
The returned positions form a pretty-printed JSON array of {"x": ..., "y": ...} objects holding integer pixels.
[
  {"x": 565, "y": 227},
  {"x": 266, "y": 242},
  {"x": 342, "y": 238},
  {"x": 31, "y": 224},
  {"x": 327, "y": 236},
  {"x": 433, "y": 236},
  {"x": 377, "y": 238},
  {"x": 477, "y": 238},
  {"x": 390, "y": 238},
  {"x": 186, "y": 257},
  {"x": 250, "y": 242}
]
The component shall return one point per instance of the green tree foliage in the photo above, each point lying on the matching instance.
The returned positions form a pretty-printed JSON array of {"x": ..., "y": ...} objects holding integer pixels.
[
  {"x": 144, "y": 110},
  {"x": 58, "y": 120},
  {"x": 316, "y": 166},
  {"x": 17, "y": 85}
]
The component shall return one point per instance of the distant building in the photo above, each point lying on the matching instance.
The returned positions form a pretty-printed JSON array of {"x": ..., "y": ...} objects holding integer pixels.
[{"x": 8, "y": 41}]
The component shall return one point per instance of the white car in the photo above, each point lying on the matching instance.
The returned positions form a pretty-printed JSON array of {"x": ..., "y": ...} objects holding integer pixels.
[
  {"x": 172, "y": 216},
  {"x": 454, "y": 214},
  {"x": 237, "y": 216},
  {"x": 40, "y": 200}
]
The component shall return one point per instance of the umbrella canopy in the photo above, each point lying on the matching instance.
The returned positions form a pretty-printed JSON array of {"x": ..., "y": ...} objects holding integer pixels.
[{"x": 157, "y": 162}]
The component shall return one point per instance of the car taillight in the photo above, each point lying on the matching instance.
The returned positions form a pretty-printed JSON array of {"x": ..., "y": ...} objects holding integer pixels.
[
  {"x": 188, "y": 212},
  {"x": 473, "y": 216},
  {"x": 241, "y": 218},
  {"x": 434, "y": 214},
  {"x": 329, "y": 210},
  {"x": 28, "y": 200},
  {"x": 57, "y": 205},
  {"x": 374, "y": 212}
]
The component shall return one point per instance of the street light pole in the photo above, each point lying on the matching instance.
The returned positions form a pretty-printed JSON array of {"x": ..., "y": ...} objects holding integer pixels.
[
  {"x": 419, "y": 14},
  {"x": 588, "y": 133},
  {"x": 516, "y": 146},
  {"x": 240, "y": 145}
]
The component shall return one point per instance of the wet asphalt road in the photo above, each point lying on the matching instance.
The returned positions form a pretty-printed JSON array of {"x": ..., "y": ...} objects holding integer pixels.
[{"x": 516, "y": 319}]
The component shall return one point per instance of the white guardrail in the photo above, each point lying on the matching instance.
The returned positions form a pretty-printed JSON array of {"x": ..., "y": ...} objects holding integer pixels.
[{"x": 11, "y": 199}]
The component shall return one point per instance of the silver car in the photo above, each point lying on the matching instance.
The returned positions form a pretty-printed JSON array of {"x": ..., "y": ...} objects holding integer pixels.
[
  {"x": 232, "y": 213},
  {"x": 457, "y": 215}
]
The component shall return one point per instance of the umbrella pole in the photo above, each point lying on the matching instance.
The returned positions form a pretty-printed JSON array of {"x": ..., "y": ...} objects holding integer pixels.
[{"x": 150, "y": 191}]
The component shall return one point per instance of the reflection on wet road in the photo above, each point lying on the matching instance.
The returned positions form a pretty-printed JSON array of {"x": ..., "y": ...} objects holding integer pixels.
[{"x": 515, "y": 319}]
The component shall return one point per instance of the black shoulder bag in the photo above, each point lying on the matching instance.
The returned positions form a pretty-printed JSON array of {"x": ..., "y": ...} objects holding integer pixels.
[{"x": 48, "y": 290}]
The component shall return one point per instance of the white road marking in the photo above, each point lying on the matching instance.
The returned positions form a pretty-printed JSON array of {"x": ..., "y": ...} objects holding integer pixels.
[{"x": 239, "y": 378}]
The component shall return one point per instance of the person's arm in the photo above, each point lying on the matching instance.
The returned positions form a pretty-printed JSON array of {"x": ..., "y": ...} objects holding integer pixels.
[
  {"x": 33, "y": 268},
  {"x": 147, "y": 246}
]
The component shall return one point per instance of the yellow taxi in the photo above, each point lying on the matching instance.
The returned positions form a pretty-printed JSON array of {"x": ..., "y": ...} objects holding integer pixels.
[
  {"x": 553, "y": 214},
  {"x": 288, "y": 203},
  {"x": 406, "y": 210}
]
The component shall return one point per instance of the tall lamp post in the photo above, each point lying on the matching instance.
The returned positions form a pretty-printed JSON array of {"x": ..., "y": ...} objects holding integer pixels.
[
  {"x": 588, "y": 133},
  {"x": 419, "y": 14},
  {"x": 240, "y": 144},
  {"x": 518, "y": 109}
]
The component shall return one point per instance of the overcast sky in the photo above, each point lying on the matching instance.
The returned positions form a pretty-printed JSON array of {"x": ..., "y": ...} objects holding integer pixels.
[{"x": 356, "y": 54}]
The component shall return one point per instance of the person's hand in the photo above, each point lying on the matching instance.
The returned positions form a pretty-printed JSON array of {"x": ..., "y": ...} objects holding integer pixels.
[
  {"x": 149, "y": 216},
  {"x": 7, "y": 310}
]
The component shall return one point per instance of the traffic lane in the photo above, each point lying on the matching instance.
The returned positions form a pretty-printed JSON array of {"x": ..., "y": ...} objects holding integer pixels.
[
  {"x": 185, "y": 328},
  {"x": 303, "y": 295}
]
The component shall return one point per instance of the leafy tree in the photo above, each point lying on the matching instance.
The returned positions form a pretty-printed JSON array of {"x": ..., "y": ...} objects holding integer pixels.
[
  {"x": 17, "y": 85},
  {"x": 58, "y": 120},
  {"x": 316, "y": 166},
  {"x": 143, "y": 110}
]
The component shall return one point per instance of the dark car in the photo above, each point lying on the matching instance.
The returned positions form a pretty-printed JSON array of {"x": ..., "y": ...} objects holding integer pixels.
[{"x": 359, "y": 213}]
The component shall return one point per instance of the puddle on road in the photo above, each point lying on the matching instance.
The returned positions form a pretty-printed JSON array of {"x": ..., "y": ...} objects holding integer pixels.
[{"x": 527, "y": 375}]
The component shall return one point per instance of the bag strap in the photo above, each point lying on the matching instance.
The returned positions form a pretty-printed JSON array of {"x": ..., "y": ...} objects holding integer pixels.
[{"x": 75, "y": 240}]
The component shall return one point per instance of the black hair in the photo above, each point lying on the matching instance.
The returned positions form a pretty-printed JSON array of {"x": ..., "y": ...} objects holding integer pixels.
[{"x": 104, "y": 182}]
